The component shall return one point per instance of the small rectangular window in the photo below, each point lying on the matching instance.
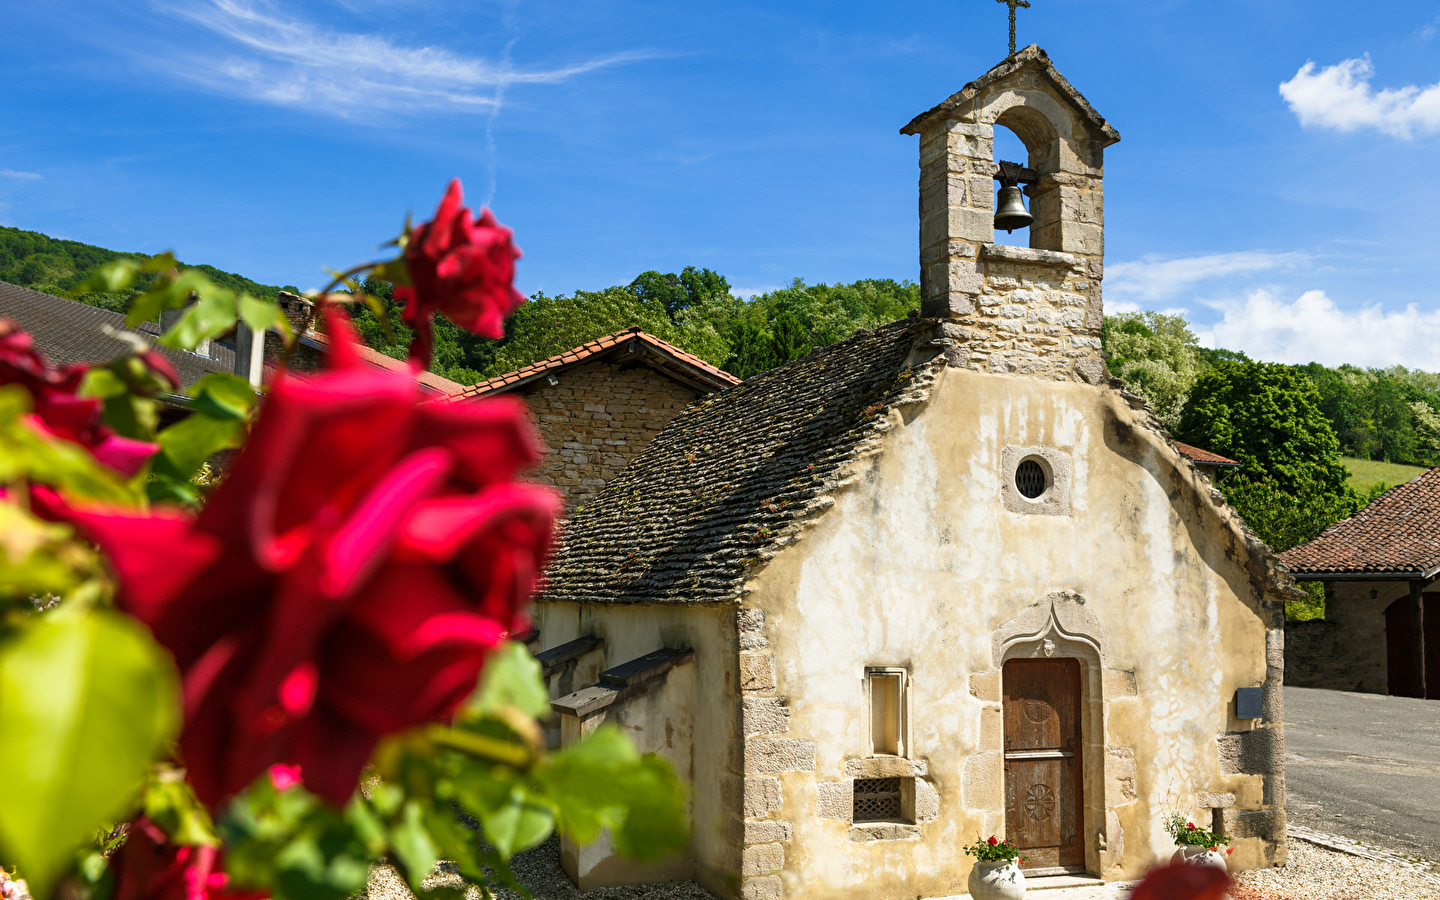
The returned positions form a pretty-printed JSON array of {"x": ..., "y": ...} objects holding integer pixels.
[
  {"x": 886, "y": 688},
  {"x": 876, "y": 799}
]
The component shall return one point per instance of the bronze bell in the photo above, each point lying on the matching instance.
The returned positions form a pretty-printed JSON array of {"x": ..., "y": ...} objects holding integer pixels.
[{"x": 1010, "y": 211}]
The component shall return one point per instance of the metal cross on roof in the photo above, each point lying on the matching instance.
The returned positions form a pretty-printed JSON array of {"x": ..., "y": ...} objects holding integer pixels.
[{"x": 1024, "y": 4}]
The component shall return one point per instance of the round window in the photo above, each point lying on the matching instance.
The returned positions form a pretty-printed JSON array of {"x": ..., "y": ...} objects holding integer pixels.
[{"x": 1030, "y": 479}]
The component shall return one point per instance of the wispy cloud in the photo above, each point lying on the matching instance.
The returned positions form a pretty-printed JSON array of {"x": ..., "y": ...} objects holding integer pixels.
[
  {"x": 290, "y": 62},
  {"x": 23, "y": 176},
  {"x": 1311, "y": 328},
  {"x": 1340, "y": 97},
  {"x": 1154, "y": 278}
]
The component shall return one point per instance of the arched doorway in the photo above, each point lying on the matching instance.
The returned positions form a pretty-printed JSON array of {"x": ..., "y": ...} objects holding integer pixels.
[{"x": 1403, "y": 679}]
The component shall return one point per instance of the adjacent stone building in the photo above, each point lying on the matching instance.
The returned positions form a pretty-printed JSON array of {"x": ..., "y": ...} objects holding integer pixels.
[
  {"x": 601, "y": 403},
  {"x": 1381, "y": 631},
  {"x": 941, "y": 580}
]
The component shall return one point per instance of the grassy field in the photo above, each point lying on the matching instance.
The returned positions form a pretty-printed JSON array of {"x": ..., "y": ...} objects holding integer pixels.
[{"x": 1367, "y": 472}]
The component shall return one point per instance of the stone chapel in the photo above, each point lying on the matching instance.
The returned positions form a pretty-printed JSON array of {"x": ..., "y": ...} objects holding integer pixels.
[{"x": 942, "y": 580}]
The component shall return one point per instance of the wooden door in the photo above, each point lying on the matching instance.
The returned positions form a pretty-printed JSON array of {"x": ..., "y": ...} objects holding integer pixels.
[
  {"x": 1044, "y": 812},
  {"x": 1400, "y": 647}
]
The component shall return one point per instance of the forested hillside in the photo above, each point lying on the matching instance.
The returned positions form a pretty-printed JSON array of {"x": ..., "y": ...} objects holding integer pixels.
[{"x": 52, "y": 265}]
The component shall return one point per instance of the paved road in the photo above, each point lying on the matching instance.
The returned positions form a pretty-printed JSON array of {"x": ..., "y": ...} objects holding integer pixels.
[{"x": 1364, "y": 766}]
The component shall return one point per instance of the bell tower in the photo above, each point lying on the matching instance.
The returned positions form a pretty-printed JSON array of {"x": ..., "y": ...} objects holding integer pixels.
[{"x": 1033, "y": 311}]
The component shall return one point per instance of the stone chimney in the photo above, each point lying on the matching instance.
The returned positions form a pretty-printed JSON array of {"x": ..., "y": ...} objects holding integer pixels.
[{"x": 1033, "y": 311}]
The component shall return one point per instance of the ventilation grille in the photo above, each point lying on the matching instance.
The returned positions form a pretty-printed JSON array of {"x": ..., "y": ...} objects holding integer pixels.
[
  {"x": 1030, "y": 479},
  {"x": 877, "y": 799}
]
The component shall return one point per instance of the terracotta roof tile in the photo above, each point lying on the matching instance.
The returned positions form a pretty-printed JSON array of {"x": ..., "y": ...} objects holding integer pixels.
[
  {"x": 740, "y": 472},
  {"x": 698, "y": 368},
  {"x": 1204, "y": 457},
  {"x": 1399, "y": 532}
]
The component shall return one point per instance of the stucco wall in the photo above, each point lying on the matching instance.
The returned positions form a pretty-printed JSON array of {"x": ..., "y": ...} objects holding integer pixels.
[
  {"x": 1345, "y": 651},
  {"x": 658, "y": 721},
  {"x": 921, "y": 565},
  {"x": 596, "y": 418}
]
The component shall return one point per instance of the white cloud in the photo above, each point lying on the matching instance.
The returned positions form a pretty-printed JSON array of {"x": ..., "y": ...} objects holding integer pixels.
[
  {"x": 1313, "y": 329},
  {"x": 290, "y": 62},
  {"x": 1153, "y": 278},
  {"x": 748, "y": 293},
  {"x": 24, "y": 176},
  {"x": 1340, "y": 97}
]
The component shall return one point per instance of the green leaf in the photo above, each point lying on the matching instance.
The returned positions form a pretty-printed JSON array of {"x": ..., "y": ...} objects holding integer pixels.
[
  {"x": 603, "y": 781},
  {"x": 221, "y": 396},
  {"x": 211, "y": 316},
  {"x": 112, "y": 277},
  {"x": 160, "y": 262},
  {"x": 519, "y": 824},
  {"x": 186, "y": 445},
  {"x": 413, "y": 845},
  {"x": 258, "y": 314},
  {"x": 88, "y": 700},
  {"x": 512, "y": 677},
  {"x": 170, "y": 803}
]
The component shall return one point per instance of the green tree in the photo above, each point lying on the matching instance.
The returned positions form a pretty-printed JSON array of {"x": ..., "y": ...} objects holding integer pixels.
[
  {"x": 1267, "y": 417},
  {"x": 1157, "y": 356}
]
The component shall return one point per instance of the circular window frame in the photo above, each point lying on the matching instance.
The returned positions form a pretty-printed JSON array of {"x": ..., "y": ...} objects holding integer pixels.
[
  {"x": 1055, "y": 463},
  {"x": 1047, "y": 473}
]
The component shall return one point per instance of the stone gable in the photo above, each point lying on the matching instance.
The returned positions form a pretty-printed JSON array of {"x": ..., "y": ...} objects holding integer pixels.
[{"x": 595, "y": 418}]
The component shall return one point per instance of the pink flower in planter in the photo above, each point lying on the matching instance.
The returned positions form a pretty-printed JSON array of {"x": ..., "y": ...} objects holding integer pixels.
[
  {"x": 347, "y": 579},
  {"x": 462, "y": 267},
  {"x": 283, "y": 777}
]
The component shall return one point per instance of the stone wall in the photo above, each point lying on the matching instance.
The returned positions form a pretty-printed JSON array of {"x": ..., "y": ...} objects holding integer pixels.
[
  {"x": 596, "y": 417},
  {"x": 1346, "y": 650}
]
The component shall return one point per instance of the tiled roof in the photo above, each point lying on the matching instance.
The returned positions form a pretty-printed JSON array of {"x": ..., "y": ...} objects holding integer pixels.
[
  {"x": 666, "y": 356},
  {"x": 1398, "y": 533},
  {"x": 1204, "y": 457},
  {"x": 429, "y": 380},
  {"x": 67, "y": 331},
  {"x": 735, "y": 476}
]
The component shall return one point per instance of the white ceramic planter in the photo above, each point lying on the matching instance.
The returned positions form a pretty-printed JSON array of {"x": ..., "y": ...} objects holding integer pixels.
[
  {"x": 1200, "y": 856},
  {"x": 1000, "y": 880}
]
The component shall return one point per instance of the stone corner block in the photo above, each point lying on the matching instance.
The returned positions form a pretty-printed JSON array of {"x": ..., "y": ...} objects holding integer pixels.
[
  {"x": 982, "y": 781},
  {"x": 765, "y": 888},
  {"x": 1257, "y": 752},
  {"x": 768, "y": 756},
  {"x": 1119, "y": 683},
  {"x": 757, "y": 672},
  {"x": 767, "y": 832},
  {"x": 835, "y": 800},
  {"x": 927, "y": 801},
  {"x": 985, "y": 686},
  {"x": 765, "y": 715},
  {"x": 762, "y": 796},
  {"x": 885, "y": 767},
  {"x": 762, "y": 859}
]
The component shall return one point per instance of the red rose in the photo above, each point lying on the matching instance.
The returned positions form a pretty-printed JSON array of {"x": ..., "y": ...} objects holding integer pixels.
[
  {"x": 1190, "y": 825},
  {"x": 993, "y": 842},
  {"x": 462, "y": 268},
  {"x": 283, "y": 777},
  {"x": 1183, "y": 881},
  {"x": 59, "y": 411},
  {"x": 346, "y": 580},
  {"x": 148, "y": 867},
  {"x": 1229, "y": 850}
]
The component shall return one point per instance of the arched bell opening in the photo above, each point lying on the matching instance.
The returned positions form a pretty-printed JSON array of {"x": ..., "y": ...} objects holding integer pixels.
[{"x": 1024, "y": 128}]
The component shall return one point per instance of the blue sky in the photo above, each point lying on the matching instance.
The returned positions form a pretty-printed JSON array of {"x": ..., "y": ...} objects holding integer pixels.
[{"x": 275, "y": 137}]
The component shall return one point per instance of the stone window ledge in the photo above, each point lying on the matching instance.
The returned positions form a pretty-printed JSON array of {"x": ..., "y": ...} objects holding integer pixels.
[
  {"x": 866, "y": 832},
  {"x": 885, "y": 767},
  {"x": 1029, "y": 255}
]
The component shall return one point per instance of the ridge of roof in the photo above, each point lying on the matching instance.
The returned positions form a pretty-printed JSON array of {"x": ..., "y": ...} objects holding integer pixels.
[
  {"x": 1030, "y": 57},
  {"x": 68, "y": 331},
  {"x": 1205, "y": 457},
  {"x": 1398, "y": 533},
  {"x": 437, "y": 383},
  {"x": 710, "y": 375},
  {"x": 738, "y": 474}
]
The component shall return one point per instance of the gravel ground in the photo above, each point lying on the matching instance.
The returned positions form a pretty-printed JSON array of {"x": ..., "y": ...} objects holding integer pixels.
[
  {"x": 539, "y": 870},
  {"x": 1316, "y": 873}
]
